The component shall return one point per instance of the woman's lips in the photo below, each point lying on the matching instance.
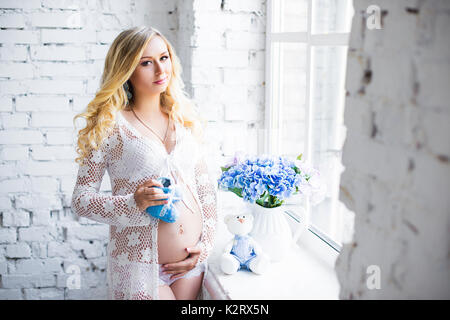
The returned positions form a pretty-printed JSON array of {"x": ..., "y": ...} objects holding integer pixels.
[{"x": 161, "y": 81}]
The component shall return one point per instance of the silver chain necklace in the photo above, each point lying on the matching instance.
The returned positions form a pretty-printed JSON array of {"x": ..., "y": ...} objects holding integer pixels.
[
  {"x": 163, "y": 142},
  {"x": 153, "y": 131}
]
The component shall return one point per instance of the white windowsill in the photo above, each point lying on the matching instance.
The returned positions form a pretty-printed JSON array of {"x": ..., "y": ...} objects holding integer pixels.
[{"x": 308, "y": 273}]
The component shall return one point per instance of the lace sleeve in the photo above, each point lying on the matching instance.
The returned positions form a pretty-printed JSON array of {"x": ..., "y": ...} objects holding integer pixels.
[
  {"x": 207, "y": 192},
  {"x": 88, "y": 202}
]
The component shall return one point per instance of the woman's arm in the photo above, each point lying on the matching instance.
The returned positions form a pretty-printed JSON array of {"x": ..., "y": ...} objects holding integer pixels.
[
  {"x": 88, "y": 202},
  {"x": 207, "y": 192}
]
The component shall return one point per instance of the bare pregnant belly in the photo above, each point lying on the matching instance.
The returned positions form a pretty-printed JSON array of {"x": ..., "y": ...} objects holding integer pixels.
[{"x": 174, "y": 237}]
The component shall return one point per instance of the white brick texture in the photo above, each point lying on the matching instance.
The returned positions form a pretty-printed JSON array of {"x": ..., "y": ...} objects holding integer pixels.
[
  {"x": 51, "y": 58},
  {"x": 397, "y": 153}
]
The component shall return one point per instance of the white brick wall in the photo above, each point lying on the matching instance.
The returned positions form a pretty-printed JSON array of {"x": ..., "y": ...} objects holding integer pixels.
[
  {"x": 51, "y": 60},
  {"x": 396, "y": 154},
  {"x": 228, "y": 72}
]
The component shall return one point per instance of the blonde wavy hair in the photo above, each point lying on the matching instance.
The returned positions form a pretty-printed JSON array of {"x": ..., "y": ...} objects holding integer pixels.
[{"x": 121, "y": 60}]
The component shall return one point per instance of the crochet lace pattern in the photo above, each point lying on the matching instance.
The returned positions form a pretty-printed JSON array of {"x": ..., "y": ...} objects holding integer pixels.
[{"x": 131, "y": 159}]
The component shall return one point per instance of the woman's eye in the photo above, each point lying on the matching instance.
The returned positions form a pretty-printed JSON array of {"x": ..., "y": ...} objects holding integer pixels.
[{"x": 145, "y": 62}]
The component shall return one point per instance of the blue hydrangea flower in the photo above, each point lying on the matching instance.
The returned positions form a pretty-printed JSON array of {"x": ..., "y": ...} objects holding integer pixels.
[{"x": 267, "y": 179}]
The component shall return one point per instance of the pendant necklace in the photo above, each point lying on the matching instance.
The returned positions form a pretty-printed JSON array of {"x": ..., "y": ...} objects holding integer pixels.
[
  {"x": 163, "y": 142},
  {"x": 167, "y": 129}
]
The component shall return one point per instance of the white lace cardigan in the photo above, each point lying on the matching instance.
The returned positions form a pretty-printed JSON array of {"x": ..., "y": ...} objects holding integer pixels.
[{"x": 130, "y": 159}]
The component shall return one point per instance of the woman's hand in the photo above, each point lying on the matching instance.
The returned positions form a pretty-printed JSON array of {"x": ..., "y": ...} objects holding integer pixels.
[
  {"x": 179, "y": 269},
  {"x": 146, "y": 196}
]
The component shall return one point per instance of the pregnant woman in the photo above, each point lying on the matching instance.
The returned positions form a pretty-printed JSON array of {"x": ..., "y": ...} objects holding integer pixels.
[{"x": 141, "y": 126}]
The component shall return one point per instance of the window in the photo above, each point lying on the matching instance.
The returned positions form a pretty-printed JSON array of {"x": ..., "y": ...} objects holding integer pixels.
[{"x": 306, "y": 56}]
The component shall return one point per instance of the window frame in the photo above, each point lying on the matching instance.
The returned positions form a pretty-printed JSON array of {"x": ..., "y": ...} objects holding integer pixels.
[{"x": 273, "y": 114}]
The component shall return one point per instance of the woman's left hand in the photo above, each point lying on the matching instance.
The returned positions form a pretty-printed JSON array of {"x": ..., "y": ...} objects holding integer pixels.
[{"x": 179, "y": 269}]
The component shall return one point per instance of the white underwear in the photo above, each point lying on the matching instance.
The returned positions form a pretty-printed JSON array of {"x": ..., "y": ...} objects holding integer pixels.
[{"x": 164, "y": 279}]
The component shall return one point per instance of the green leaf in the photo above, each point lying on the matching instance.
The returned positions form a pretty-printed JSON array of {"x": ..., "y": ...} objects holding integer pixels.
[
  {"x": 236, "y": 191},
  {"x": 300, "y": 156},
  {"x": 268, "y": 204},
  {"x": 225, "y": 169},
  {"x": 265, "y": 195},
  {"x": 260, "y": 202}
]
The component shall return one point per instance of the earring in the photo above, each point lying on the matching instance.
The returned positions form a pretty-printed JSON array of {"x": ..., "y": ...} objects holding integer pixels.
[{"x": 126, "y": 87}]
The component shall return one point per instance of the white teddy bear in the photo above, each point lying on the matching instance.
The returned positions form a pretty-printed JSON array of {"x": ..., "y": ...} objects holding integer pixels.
[{"x": 242, "y": 252}]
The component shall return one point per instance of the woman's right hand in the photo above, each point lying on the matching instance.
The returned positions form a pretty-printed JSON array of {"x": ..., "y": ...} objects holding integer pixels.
[{"x": 146, "y": 196}]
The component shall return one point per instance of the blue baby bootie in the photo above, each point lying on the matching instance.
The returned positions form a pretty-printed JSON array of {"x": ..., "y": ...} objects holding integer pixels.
[{"x": 166, "y": 212}]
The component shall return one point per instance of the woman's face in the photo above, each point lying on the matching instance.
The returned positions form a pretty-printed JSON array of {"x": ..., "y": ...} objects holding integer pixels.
[{"x": 155, "y": 64}]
